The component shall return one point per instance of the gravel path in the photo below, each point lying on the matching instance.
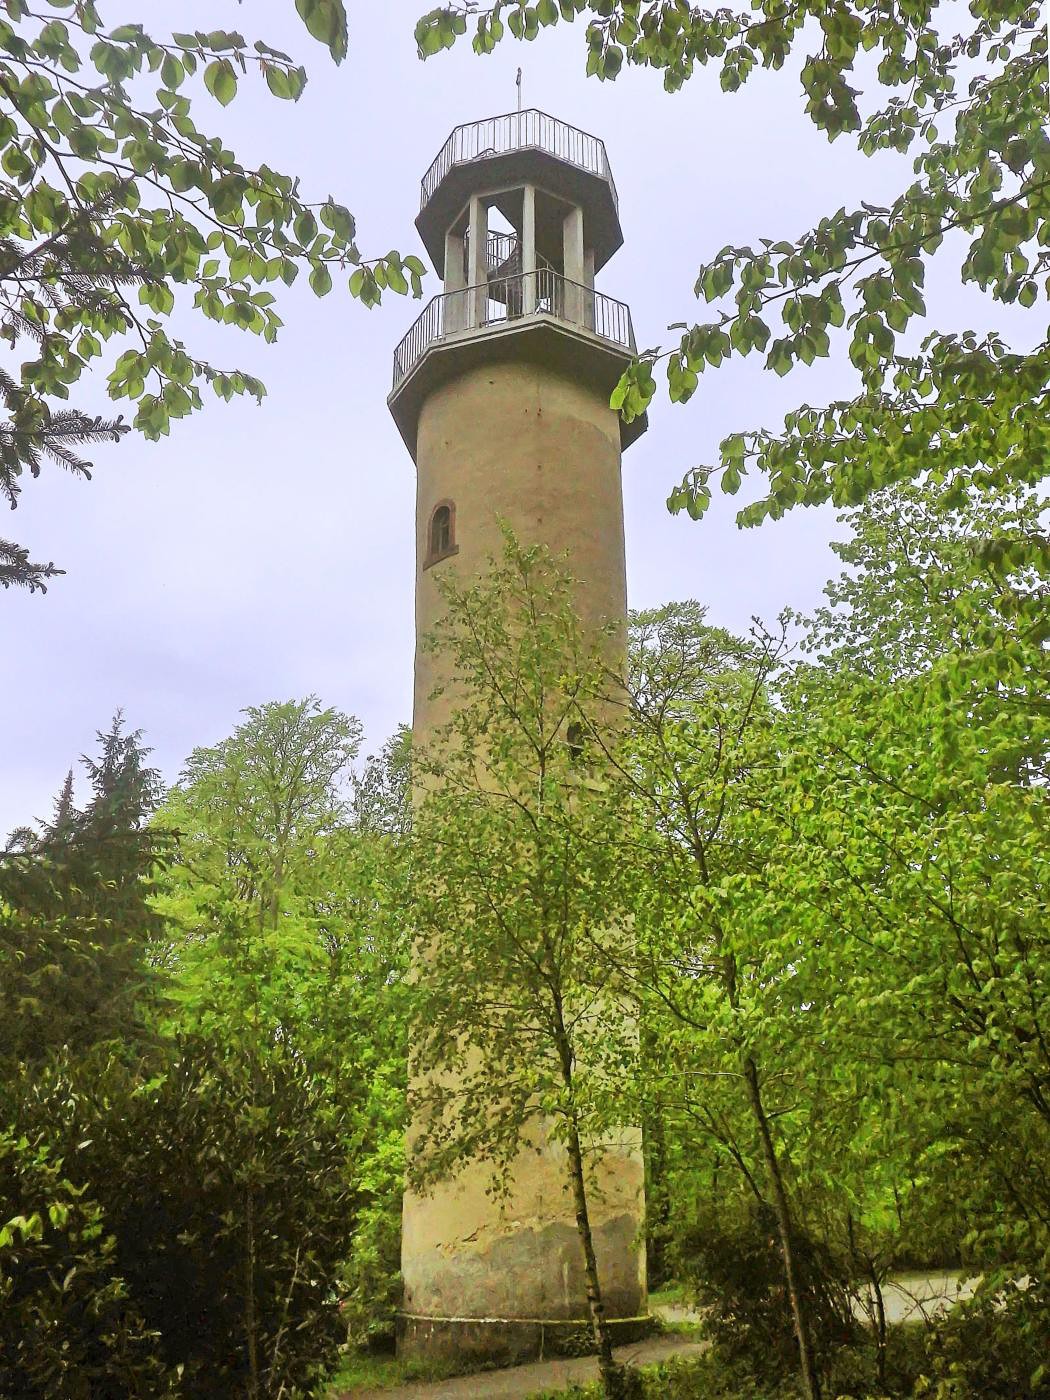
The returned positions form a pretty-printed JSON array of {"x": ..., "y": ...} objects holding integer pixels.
[{"x": 522, "y": 1381}]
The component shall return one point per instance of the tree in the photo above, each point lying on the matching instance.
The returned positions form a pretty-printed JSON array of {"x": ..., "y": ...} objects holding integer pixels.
[
  {"x": 75, "y": 923},
  {"x": 840, "y": 891},
  {"x": 912, "y": 802},
  {"x": 381, "y": 804},
  {"x": 113, "y": 199},
  {"x": 284, "y": 936},
  {"x": 971, "y": 108},
  {"x": 520, "y": 1029},
  {"x": 698, "y": 749},
  {"x": 172, "y": 1228},
  {"x": 254, "y": 813}
]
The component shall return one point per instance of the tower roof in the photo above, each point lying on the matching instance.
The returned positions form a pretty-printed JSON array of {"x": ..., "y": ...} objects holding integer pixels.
[{"x": 520, "y": 148}]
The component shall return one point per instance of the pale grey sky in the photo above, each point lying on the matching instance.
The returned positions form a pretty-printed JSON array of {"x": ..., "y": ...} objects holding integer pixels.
[{"x": 264, "y": 553}]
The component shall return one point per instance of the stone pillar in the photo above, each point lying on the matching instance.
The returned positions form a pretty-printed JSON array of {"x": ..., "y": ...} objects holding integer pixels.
[
  {"x": 485, "y": 1278},
  {"x": 574, "y": 264},
  {"x": 478, "y": 270},
  {"x": 455, "y": 282},
  {"x": 529, "y": 264},
  {"x": 510, "y": 423}
]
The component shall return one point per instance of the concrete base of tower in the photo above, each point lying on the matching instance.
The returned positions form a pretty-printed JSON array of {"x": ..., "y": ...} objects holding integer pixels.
[
  {"x": 500, "y": 1277},
  {"x": 508, "y": 1341}
]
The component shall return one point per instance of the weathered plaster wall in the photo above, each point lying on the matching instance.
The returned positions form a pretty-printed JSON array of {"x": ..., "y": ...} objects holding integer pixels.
[{"x": 521, "y": 443}]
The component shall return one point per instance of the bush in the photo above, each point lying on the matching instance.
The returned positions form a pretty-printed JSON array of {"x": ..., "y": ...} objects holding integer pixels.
[
  {"x": 996, "y": 1346},
  {"x": 224, "y": 1184},
  {"x": 67, "y": 1324},
  {"x": 736, "y": 1273},
  {"x": 370, "y": 1284}
]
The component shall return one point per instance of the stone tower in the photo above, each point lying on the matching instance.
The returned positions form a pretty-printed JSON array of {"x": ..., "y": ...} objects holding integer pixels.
[{"x": 501, "y": 393}]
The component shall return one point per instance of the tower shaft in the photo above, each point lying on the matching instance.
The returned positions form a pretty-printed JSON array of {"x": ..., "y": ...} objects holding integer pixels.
[{"x": 501, "y": 392}]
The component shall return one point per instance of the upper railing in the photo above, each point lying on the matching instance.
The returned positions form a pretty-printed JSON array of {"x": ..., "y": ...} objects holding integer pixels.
[
  {"x": 540, "y": 293},
  {"x": 519, "y": 131}
]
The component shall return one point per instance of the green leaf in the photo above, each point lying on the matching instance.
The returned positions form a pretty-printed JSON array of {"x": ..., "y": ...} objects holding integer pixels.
[
  {"x": 305, "y": 227},
  {"x": 221, "y": 80},
  {"x": 286, "y": 83},
  {"x": 326, "y": 21},
  {"x": 321, "y": 280},
  {"x": 339, "y": 219}
]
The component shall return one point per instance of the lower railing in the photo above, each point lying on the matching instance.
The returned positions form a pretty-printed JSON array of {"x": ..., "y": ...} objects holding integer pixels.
[{"x": 540, "y": 293}]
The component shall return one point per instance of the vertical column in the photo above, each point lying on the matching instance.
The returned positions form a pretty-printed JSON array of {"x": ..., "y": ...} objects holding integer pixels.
[
  {"x": 573, "y": 262},
  {"x": 455, "y": 282},
  {"x": 529, "y": 277},
  {"x": 588, "y": 296},
  {"x": 478, "y": 271}
]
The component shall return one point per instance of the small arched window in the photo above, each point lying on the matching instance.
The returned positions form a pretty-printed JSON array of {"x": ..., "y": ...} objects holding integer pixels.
[
  {"x": 441, "y": 535},
  {"x": 574, "y": 741}
]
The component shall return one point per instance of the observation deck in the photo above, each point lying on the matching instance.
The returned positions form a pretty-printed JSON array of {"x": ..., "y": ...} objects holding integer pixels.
[
  {"x": 517, "y": 213},
  {"x": 515, "y": 149}
]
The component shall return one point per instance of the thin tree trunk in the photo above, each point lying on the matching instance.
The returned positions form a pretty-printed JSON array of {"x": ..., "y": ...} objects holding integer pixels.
[
  {"x": 880, "y": 1312},
  {"x": 783, "y": 1217},
  {"x": 250, "y": 1323},
  {"x": 611, "y": 1374}
]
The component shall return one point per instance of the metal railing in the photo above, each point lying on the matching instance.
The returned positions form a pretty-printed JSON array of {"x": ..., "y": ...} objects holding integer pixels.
[
  {"x": 541, "y": 293},
  {"x": 499, "y": 248},
  {"x": 518, "y": 131}
]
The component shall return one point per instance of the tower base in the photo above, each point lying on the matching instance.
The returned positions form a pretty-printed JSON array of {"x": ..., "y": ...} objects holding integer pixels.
[{"x": 508, "y": 1341}]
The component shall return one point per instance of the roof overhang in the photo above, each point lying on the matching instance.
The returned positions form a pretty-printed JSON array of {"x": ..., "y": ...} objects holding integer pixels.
[
  {"x": 537, "y": 339},
  {"x": 527, "y": 165}
]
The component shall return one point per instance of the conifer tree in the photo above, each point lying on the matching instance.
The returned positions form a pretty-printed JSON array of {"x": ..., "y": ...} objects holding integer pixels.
[{"x": 75, "y": 924}]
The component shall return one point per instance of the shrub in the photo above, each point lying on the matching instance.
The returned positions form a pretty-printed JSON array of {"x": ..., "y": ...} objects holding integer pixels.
[
  {"x": 370, "y": 1285},
  {"x": 67, "y": 1324},
  {"x": 736, "y": 1273},
  {"x": 996, "y": 1345},
  {"x": 223, "y": 1180}
]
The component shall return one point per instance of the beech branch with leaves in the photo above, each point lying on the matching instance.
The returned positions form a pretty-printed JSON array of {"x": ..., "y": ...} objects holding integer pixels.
[
  {"x": 111, "y": 198},
  {"x": 972, "y": 107}
]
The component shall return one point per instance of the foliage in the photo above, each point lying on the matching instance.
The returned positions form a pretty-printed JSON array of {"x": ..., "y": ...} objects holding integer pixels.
[
  {"x": 509, "y": 807},
  {"x": 113, "y": 199},
  {"x": 995, "y": 1345},
  {"x": 732, "y": 1262},
  {"x": 519, "y": 1026},
  {"x": 67, "y": 1323},
  {"x": 382, "y": 792},
  {"x": 844, "y": 872},
  {"x": 970, "y": 108},
  {"x": 700, "y": 744},
  {"x": 283, "y": 931},
  {"x": 255, "y": 813},
  {"x": 75, "y": 924},
  {"x": 218, "y": 1192},
  {"x": 911, "y": 800}
]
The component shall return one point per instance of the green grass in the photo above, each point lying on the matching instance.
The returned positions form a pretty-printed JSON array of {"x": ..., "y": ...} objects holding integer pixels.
[
  {"x": 365, "y": 1370},
  {"x": 361, "y": 1370},
  {"x": 671, "y": 1295}
]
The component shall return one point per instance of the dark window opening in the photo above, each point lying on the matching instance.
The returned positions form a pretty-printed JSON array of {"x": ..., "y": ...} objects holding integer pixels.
[
  {"x": 441, "y": 531},
  {"x": 441, "y": 538}
]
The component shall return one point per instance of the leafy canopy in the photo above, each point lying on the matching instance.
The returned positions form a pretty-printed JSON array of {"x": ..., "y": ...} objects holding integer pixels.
[
  {"x": 971, "y": 109},
  {"x": 112, "y": 199}
]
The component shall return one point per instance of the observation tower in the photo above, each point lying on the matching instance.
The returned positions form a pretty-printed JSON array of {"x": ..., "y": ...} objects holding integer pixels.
[{"x": 501, "y": 394}]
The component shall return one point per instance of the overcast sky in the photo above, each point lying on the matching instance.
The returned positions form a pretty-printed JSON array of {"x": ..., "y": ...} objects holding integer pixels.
[{"x": 264, "y": 553}]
